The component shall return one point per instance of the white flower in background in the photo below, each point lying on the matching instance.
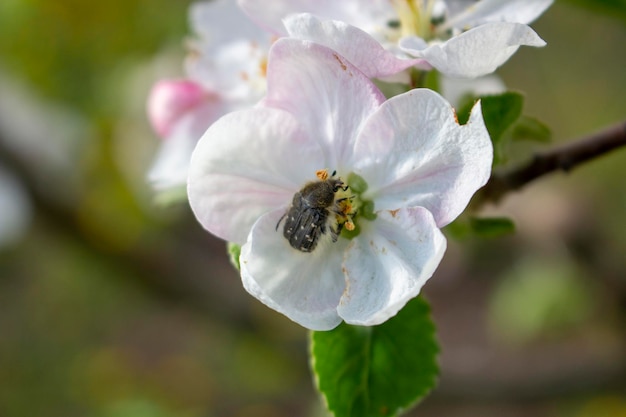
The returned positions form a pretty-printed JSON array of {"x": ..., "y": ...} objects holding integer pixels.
[
  {"x": 15, "y": 208},
  {"x": 404, "y": 169},
  {"x": 225, "y": 71},
  {"x": 459, "y": 38}
]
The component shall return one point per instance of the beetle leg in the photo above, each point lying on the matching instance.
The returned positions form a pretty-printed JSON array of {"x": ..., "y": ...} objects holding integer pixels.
[
  {"x": 334, "y": 234},
  {"x": 280, "y": 220}
]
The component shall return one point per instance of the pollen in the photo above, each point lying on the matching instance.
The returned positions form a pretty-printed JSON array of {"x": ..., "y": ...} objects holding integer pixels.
[
  {"x": 344, "y": 212},
  {"x": 263, "y": 67},
  {"x": 322, "y": 174}
]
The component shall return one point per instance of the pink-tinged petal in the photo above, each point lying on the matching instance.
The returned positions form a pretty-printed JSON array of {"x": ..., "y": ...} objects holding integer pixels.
[
  {"x": 362, "y": 50},
  {"x": 485, "y": 11},
  {"x": 478, "y": 51},
  {"x": 169, "y": 100},
  {"x": 412, "y": 152},
  {"x": 248, "y": 163},
  {"x": 171, "y": 165},
  {"x": 388, "y": 264},
  {"x": 306, "y": 287},
  {"x": 323, "y": 91}
]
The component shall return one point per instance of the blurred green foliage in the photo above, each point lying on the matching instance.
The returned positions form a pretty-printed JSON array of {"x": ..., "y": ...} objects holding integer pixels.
[
  {"x": 612, "y": 8},
  {"x": 540, "y": 298},
  {"x": 70, "y": 48}
]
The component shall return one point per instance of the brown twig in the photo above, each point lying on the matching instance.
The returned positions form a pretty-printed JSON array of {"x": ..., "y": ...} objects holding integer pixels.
[{"x": 563, "y": 158}]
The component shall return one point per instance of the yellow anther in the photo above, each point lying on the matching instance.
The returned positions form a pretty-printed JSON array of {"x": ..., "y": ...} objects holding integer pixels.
[{"x": 322, "y": 174}]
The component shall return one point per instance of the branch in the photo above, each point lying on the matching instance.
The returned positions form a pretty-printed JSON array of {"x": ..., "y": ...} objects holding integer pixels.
[{"x": 563, "y": 158}]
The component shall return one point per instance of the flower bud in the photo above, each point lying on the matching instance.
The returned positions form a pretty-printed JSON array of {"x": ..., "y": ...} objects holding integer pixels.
[{"x": 169, "y": 100}]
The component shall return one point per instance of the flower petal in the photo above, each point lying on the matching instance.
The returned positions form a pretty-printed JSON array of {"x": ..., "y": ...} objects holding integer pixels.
[
  {"x": 322, "y": 90},
  {"x": 248, "y": 163},
  {"x": 365, "y": 14},
  {"x": 517, "y": 11},
  {"x": 213, "y": 21},
  {"x": 457, "y": 89},
  {"x": 306, "y": 287},
  {"x": 388, "y": 265},
  {"x": 223, "y": 59},
  {"x": 171, "y": 164},
  {"x": 236, "y": 70},
  {"x": 362, "y": 50},
  {"x": 412, "y": 152},
  {"x": 478, "y": 51}
]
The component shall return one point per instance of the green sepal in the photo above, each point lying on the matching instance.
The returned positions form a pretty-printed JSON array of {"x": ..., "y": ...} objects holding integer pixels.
[
  {"x": 351, "y": 234},
  {"x": 391, "y": 89},
  {"x": 366, "y": 210},
  {"x": 431, "y": 81},
  {"x": 234, "y": 250},
  {"x": 377, "y": 371},
  {"x": 357, "y": 184}
]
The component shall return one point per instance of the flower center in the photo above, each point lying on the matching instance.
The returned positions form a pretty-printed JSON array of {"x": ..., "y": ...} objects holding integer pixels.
[
  {"x": 417, "y": 17},
  {"x": 351, "y": 207},
  {"x": 344, "y": 204},
  {"x": 330, "y": 206}
]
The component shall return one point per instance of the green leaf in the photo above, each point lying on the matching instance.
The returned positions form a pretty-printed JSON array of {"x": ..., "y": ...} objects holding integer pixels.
[
  {"x": 234, "y": 250},
  {"x": 377, "y": 371},
  {"x": 500, "y": 112},
  {"x": 492, "y": 226},
  {"x": 529, "y": 128}
]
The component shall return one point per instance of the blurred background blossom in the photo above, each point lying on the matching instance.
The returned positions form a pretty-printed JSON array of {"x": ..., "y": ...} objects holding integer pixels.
[{"x": 112, "y": 306}]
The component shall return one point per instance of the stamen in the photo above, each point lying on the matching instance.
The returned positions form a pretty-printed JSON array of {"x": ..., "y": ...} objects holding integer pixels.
[
  {"x": 322, "y": 174},
  {"x": 414, "y": 17}
]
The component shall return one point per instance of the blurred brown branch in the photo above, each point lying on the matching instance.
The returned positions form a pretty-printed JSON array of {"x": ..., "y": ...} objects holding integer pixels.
[{"x": 563, "y": 158}]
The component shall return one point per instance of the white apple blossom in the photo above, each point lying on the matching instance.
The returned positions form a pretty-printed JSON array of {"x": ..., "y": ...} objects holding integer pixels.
[
  {"x": 225, "y": 71},
  {"x": 459, "y": 38},
  {"x": 409, "y": 168}
]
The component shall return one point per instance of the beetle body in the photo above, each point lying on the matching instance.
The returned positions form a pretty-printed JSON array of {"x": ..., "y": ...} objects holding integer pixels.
[{"x": 307, "y": 218}]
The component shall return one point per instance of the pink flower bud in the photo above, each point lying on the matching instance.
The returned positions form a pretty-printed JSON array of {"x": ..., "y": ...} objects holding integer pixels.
[{"x": 169, "y": 100}]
